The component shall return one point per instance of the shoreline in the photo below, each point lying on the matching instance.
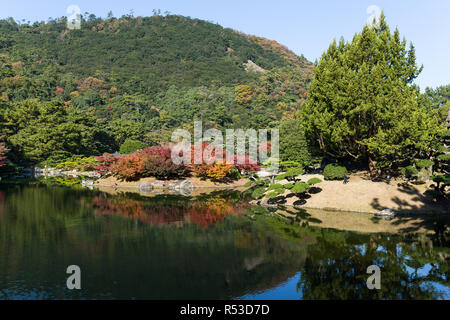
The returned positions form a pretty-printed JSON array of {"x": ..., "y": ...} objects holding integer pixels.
[{"x": 359, "y": 195}]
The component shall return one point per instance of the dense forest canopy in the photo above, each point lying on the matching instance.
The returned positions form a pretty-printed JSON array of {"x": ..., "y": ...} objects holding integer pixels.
[{"x": 138, "y": 78}]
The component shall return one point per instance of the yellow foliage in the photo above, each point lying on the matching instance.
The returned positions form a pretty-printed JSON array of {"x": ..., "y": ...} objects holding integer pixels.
[{"x": 244, "y": 94}]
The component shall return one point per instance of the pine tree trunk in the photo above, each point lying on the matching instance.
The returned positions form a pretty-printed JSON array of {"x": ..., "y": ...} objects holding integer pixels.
[{"x": 372, "y": 170}]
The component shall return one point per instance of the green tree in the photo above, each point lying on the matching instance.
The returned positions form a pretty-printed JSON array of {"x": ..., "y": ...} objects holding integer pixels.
[
  {"x": 130, "y": 146},
  {"x": 293, "y": 144},
  {"x": 124, "y": 129},
  {"x": 52, "y": 130},
  {"x": 363, "y": 104}
]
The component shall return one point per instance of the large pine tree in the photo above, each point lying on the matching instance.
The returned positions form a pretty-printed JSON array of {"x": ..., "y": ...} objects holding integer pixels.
[{"x": 363, "y": 103}]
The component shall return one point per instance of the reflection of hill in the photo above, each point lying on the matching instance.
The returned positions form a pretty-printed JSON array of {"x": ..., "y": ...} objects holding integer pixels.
[
  {"x": 206, "y": 213},
  {"x": 123, "y": 259}
]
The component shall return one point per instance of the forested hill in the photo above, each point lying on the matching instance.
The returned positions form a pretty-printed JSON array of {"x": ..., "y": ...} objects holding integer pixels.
[
  {"x": 137, "y": 78},
  {"x": 146, "y": 54}
]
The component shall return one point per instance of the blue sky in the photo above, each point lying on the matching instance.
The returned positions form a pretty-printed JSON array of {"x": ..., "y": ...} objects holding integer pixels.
[{"x": 306, "y": 27}]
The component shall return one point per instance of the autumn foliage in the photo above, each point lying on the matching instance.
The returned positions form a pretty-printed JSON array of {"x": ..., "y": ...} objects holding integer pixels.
[
  {"x": 128, "y": 168},
  {"x": 157, "y": 162}
]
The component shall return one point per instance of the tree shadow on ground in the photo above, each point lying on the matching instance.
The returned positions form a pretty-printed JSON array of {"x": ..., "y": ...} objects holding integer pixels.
[{"x": 420, "y": 212}]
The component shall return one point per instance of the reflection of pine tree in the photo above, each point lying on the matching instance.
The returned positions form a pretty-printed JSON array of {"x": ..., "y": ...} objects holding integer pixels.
[{"x": 336, "y": 269}]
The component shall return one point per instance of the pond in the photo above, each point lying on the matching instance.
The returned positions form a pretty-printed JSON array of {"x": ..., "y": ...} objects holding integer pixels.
[{"x": 210, "y": 246}]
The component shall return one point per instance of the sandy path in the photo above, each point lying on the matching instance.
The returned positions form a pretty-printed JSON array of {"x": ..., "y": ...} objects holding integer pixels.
[{"x": 363, "y": 195}]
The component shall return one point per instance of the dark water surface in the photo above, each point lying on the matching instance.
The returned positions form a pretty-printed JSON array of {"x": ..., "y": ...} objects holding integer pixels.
[{"x": 213, "y": 246}]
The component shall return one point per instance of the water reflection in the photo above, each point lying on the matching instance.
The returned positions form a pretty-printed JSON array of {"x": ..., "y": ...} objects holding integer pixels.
[
  {"x": 212, "y": 246},
  {"x": 167, "y": 210}
]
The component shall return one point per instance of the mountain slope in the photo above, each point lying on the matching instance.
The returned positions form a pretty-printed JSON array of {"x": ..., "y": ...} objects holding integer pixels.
[{"x": 156, "y": 51}]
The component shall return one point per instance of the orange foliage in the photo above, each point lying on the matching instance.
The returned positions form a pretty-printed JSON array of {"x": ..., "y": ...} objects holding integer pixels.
[
  {"x": 92, "y": 83},
  {"x": 128, "y": 168}
]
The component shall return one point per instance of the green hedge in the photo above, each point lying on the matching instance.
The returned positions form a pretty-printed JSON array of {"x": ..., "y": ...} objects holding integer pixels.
[
  {"x": 300, "y": 187},
  {"x": 334, "y": 172},
  {"x": 314, "y": 181}
]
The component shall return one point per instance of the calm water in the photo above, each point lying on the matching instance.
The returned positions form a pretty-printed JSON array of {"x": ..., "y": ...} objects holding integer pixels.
[{"x": 212, "y": 246}]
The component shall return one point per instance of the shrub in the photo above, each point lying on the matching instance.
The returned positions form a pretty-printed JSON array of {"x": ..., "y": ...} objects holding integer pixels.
[
  {"x": 128, "y": 168},
  {"x": 274, "y": 194},
  {"x": 289, "y": 164},
  {"x": 300, "y": 187},
  {"x": 219, "y": 171},
  {"x": 157, "y": 162},
  {"x": 334, "y": 172},
  {"x": 288, "y": 186},
  {"x": 444, "y": 157},
  {"x": 78, "y": 162},
  {"x": 214, "y": 166},
  {"x": 130, "y": 146},
  {"x": 215, "y": 172},
  {"x": 313, "y": 181},
  {"x": 276, "y": 189},
  {"x": 423, "y": 163},
  {"x": 258, "y": 192},
  {"x": 235, "y": 174},
  {"x": 104, "y": 163},
  {"x": 290, "y": 174},
  {"x": 275, "y": 186},
  {"x": 443, "y": 180},
  {"x": 409, "y": 172},
  {"x": 244, "y": 164}
]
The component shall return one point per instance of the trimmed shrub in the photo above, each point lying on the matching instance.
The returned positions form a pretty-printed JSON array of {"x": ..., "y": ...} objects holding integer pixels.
[
  {"x": 444, "y": 157},
  {"x": 443, "y": 179},
  {"x": 275, "y": 186},
  {"x": 334, "y": 172},
  {"x": 290, "y": 174},
  {"x": 274, "y": 194},
  {"x": 423, "y": 163},
  {"x": 289, "y": 164},
  {"x": 439, "y": 189},
  {"x": 258, "y": 192},
  {"x": 313, "y": 181},
  {"x": 300, "y": 187}
]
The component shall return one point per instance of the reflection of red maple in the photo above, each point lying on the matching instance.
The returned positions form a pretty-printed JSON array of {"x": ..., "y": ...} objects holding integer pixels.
[{"x": 202, "y": 214}]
